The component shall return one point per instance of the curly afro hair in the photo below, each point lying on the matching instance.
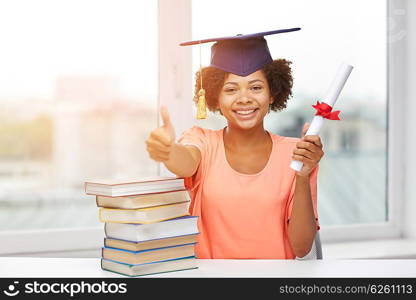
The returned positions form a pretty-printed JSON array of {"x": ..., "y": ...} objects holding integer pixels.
[{"x": 278, "y": 74}]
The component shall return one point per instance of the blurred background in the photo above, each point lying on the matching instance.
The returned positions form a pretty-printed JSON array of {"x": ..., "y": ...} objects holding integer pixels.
[{"x": 79, "y": 92}]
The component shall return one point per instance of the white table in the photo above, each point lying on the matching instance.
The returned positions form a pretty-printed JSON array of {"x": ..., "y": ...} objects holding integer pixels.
[{"x": 90, "y": 267}]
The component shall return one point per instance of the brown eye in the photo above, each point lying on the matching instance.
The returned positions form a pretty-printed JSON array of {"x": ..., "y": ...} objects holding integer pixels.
[
  {"x": 229, "y": 90},
  {"x": 257, "y": 88}
]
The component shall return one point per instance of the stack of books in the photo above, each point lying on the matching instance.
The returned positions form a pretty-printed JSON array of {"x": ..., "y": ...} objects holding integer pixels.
[{"x": 148, "y": 228}]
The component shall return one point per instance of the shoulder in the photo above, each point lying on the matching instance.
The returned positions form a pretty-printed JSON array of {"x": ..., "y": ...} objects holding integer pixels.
[
  {"x": 203, "y": 133},
  {"x": 202, "y": 138},
  {"x": 286, "y": 140}
]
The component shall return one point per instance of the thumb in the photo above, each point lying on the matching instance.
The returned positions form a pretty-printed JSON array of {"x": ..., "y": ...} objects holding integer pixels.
[
  {"x": 167, "y": 125},
  {"x": 305, "y": 129},
  {"x": 165, "y": 116}
]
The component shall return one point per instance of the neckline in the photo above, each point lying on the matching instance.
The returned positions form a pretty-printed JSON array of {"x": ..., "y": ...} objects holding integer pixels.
[{"x": 244, "y": 174}]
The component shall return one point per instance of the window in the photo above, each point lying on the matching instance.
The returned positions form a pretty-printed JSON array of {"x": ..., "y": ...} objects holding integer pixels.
[
  {"x": 352, "y": 179},
  {"x": 62, "y": 75},
  {"x": 79, "y": 95}
]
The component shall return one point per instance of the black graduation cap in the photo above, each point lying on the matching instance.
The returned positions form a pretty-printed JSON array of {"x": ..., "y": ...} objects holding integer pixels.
[{"x": 240, "y": 54}]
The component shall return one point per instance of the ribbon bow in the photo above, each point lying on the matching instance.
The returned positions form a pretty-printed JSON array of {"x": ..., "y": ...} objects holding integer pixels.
[{"x": 324, "y": 110}]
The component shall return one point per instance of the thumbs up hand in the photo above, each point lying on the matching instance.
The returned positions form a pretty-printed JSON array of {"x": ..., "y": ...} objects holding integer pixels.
[
  {"x": 309, "y": 151},
  {"x": 160, "y": 140}
]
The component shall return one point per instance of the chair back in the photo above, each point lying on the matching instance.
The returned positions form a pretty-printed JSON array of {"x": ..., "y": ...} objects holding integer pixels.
[{"x": 316, "y": 250}]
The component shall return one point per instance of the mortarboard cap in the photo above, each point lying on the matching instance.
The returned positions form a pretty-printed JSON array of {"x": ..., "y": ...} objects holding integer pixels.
[{"x": 240, "y": 54}]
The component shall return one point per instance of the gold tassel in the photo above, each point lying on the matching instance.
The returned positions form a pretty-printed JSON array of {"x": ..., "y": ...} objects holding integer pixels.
[{"x": 201, "y": 105}]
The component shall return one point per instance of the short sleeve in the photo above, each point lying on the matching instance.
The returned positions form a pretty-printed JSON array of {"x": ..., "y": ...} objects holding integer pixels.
[
  {"x": 195, "y": 136},
  {"x": 313, "y": 178}
]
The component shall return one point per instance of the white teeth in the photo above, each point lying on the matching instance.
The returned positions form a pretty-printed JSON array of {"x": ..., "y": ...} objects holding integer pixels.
[{"x": 245, "y": 112}]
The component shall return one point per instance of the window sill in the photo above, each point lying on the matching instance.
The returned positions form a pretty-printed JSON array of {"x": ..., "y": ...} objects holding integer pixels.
[
  {"x": 51, "y": 240},
  {"x": 374, "y": 249}
]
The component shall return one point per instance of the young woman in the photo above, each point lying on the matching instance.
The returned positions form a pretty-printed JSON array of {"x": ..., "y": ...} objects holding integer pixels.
[{"x": 250, "y": 203}]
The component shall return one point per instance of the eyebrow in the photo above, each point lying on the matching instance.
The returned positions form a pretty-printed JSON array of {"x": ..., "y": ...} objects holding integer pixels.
[{"x": 250, "y": 82}]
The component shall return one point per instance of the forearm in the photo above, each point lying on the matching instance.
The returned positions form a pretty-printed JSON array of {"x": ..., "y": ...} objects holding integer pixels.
[
  {"x": 181, "y": 162},
  {"x": 302, "y": 224}
]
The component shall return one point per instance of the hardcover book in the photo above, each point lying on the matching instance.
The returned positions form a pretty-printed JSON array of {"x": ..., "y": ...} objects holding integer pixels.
[
  {"x": 144, "y": 232},
  {"x": 144, "y": 215},
  {"x": 141, "y": 201},
  {"x": 150, "y": 244},
  {"x": 186, "y": 263},
  {"x": 147, "y": 256},
  {"x": 130, "y": 187}
]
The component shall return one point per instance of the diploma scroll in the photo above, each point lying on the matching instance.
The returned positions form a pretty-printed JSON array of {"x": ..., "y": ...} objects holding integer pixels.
[{"x": 330, "y": 98}]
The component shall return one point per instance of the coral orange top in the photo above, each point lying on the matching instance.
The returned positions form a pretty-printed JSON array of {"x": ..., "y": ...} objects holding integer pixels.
[{"x": 242, "y": 216}]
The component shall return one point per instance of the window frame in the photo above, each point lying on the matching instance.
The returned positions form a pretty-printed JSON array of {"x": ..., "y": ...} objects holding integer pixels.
[
  {"x": 174, "y": 19},
  {"x": 175, "y": 78},
  {"x": 396, "y": 140}
]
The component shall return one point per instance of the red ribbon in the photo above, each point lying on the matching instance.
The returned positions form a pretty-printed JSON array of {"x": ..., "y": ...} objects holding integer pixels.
[{"x": 324, "y": 110}]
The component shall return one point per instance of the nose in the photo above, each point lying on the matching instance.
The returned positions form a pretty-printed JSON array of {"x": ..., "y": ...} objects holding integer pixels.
[{"x": 244, "y": 99}]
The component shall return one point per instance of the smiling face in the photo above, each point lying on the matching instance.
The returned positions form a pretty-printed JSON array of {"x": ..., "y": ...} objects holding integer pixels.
[{"x": 244, "y": 101}]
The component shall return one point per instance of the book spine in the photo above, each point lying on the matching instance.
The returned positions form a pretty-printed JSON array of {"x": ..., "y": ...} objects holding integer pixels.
[
  {"x": 150, "y": 250},
  {"x": 144, "y": 195},
  {"x": 131, "y": 195},
  {"x": 140, "y": 222},
  {"x": 142, "y": 181},
  {"x": 145, "y": 209},
  {"x": 138, "y": 241}
]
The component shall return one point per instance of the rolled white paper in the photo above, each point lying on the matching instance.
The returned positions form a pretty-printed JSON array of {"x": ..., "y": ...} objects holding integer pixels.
[{"x": 330, "y": 98}]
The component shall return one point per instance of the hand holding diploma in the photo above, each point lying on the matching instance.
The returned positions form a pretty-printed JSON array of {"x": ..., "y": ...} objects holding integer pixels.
[
  {"x": 324, "y": 111},
  {"x": 308, "y": 151}
]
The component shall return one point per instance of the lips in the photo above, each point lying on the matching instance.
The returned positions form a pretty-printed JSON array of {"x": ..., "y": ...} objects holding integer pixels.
[
  {"x": 245, "y": 111},
  {"x": 245, "y": 114}
]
